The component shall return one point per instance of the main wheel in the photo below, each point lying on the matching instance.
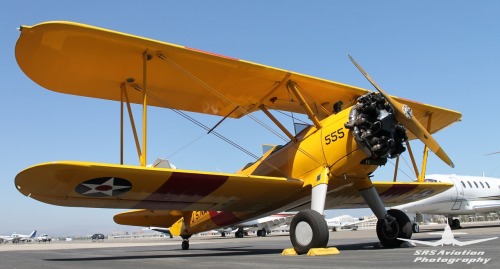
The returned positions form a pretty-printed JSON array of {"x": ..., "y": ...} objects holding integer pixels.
[
  {"x": 263, "y": 232},
  {"x": 238, "y": 234},
  {"x": 185, "y": 245},
  {"x": 455, "y": 224},
  {"x": 308, "y": 229},
  {"x": 415, "y": 228},
  {"x": 399, "y": 228}
]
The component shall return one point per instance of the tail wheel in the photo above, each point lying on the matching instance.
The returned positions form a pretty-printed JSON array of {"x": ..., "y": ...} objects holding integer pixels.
[
  {"x": 388, "y": 231},
  {"x": 308, "y": 229}
]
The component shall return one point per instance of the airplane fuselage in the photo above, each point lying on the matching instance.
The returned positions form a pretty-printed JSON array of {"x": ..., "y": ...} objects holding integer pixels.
[
  {"x": 351, "y": 144},
  {"x": 332, "y": 146},
  {"x": 469, "y": 195}
]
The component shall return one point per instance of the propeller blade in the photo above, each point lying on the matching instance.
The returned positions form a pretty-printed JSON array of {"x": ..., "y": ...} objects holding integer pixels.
[{"x": 403, "y": 114}]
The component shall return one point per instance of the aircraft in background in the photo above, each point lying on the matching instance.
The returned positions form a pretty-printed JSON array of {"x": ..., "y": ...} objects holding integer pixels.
[
  {"x": 345, "y": 221},
  {"x": 165, "y": 231},
  {"x": 469, "y": 195},
  {"x": 447, "y": 238},
  {"x": 326, "y": 165},
  {"x": 16, "y": 237},
  {"x": 262, "y": 226}
]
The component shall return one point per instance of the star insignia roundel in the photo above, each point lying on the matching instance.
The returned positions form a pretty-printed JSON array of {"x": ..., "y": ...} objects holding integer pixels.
[{"x": 104, "y": 187}]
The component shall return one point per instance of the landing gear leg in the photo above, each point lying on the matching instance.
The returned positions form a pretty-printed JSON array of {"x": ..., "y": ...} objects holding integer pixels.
[
  {"x": 308, "y": 228},
  {"x": 392, "y": 224},
  {"x": 185, "y": 242}
]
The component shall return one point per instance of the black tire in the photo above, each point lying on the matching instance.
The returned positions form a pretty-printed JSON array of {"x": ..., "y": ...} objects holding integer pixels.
[
  {"x": 455, "y": 224},
  {"x": 263, "y": 232},
  {"x": 259, "y": 233},
  {"x": 402, "y": 228},
  {"x": 415, "y": 228},
  {"x": 185, "y": 245},
  {"x": 238, "y": 234},
  {"x": 308, "y": 229}
]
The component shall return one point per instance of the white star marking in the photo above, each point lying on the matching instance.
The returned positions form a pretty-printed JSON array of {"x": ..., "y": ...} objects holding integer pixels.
[{"x": 106, "y": 188}]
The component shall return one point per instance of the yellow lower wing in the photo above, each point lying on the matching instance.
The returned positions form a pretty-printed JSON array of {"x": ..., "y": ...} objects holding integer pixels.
[
  {"x": 83, "y": 184},
  {"x": 99, "y": 185},
  {"x": 391, "y": 193}
]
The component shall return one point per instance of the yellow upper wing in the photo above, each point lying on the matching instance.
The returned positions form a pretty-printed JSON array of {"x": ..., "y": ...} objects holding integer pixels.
[{"x": 89, "y": 61}]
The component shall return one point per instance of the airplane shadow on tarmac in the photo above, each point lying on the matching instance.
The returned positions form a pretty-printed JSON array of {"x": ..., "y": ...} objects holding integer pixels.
[{"x": 219, "y": 252}]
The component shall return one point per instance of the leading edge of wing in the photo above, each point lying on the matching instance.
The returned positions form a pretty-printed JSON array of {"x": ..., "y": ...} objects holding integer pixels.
[
  {"x": 391, "y": 193},
  {"x": 83, "y": 184}
]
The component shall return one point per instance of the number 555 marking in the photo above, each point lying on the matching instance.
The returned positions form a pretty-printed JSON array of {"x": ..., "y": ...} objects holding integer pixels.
[{"x": 334, "y": 136}]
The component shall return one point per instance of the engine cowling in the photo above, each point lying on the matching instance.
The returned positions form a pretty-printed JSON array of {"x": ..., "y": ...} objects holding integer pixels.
[{"x": 375, "y": 129}]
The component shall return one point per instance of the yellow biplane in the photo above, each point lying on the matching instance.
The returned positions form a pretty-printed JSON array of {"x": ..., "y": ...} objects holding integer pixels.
[{"x": 327, "y": 165}]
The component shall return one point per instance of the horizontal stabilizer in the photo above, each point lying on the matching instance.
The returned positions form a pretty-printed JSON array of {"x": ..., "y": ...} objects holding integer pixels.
[{"x": 148, "y": 218}]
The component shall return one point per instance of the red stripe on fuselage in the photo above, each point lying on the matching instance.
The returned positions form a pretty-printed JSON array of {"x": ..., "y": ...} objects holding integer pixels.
[
  {"x": 181, "y": 190},
  {"x": 223, "y": 219}
]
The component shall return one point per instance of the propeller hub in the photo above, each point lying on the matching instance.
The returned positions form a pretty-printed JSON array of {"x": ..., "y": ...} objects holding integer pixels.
[{"x": 407, "y": 112}]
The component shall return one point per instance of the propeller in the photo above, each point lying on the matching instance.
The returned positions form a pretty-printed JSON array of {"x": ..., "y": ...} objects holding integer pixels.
[{"x": 403, "y": 114}]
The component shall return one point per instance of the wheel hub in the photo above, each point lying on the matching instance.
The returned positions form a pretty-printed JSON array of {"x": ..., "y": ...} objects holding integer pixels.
[{"x": 304, "y": 233}]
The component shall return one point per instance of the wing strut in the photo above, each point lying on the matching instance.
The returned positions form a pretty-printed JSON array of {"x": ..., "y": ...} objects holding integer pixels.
[
  {"x": 426, "y": 152},
  {"x": 303, "y": 104},
  {"x": 396, "y": 169},
  {"x": 142, "y": 153},
  {"x": 145, "y": 58},
  {"x": 410, "y": 152},
  {"x": 132, "y": 124},
  {"x": 282, "y": 128}
]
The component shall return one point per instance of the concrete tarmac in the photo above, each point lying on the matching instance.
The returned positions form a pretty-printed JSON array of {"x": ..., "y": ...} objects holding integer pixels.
[{"x": 358, "y": 249}]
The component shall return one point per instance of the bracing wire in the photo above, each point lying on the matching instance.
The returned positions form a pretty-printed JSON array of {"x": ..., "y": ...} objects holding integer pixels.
[
  {"x": 206, "y": 128},
  {"x": 400, "y": 170},
  {"x": 214, "y": 91}
]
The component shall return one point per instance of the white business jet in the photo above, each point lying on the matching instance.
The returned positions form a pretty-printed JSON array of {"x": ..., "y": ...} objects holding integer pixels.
[
  {"x": 346, "y": 221},
  {"x": 468, "y": 196}
]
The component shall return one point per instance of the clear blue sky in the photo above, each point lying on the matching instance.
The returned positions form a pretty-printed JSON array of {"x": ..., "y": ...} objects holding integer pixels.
[{"x": 444, "y": 53}]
